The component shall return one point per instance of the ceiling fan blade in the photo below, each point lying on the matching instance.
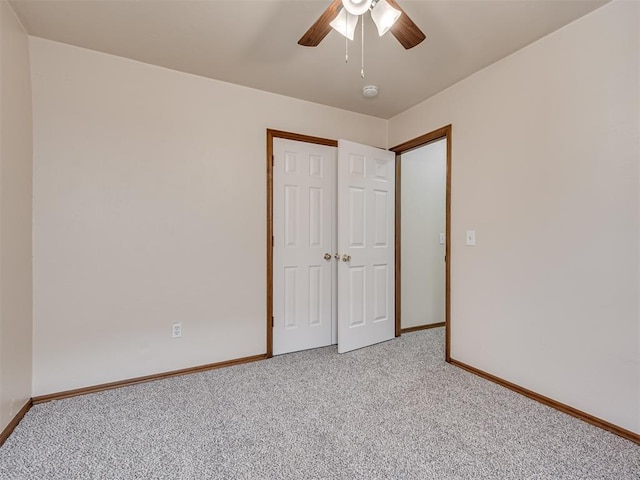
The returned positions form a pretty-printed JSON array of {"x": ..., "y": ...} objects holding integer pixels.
[
  {"x": 405, "y": 31},
  {"x": 321, "y": 28}
]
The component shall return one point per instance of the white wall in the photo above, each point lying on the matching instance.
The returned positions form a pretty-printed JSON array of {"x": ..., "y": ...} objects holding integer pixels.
[
  {"x": 424, "y": 182},
  {"x": 15, "y": 216},
  {"x": 150, "y": 199},
  {"x": 545, "y": 169}
]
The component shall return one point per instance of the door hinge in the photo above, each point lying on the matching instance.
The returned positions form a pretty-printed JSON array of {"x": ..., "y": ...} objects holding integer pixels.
[
  {"x": 272, "y": 322},
  {"x": 273, "y": 160},
  {"x": 273, "y": 241}
]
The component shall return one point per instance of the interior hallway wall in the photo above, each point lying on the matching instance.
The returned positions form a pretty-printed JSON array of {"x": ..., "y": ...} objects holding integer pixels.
[
  {"x": 424, "y": 186},
  {"x": 545, "y": 169},
  {"x": 150, "y": 208},
  {"x": 16, "y": 190}
]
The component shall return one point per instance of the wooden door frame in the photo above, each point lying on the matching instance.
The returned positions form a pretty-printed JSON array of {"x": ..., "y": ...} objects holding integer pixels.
[
  {"x": 271, "y": 134},
  {"x": 439, "y": 134}
]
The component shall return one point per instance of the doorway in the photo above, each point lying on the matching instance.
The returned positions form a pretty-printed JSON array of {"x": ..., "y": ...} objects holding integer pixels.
[
  {"x": 270, "y": 241},
  {"x": 433, "y": 259},
  {"x": 365, "y": 254}
]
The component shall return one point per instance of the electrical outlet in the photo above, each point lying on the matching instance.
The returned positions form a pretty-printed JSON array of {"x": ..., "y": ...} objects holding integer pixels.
[{"x": 176, "y": 330}]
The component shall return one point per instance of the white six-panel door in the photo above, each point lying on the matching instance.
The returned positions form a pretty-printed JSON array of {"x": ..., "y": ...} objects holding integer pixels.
[
  {"x": 304, "y": 226},
  {"x": 366, "y": 243},
  {"x": 318, "y": 300}
]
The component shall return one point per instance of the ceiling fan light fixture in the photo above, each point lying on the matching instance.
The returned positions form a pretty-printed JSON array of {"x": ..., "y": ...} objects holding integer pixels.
[
  {"x": 357, "y": 7},
  {"x": 384, "y": 16},
  {"x": 345, "y": 23}
]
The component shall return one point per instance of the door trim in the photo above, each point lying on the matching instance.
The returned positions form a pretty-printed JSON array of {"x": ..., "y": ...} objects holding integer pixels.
[
  {"x": 271, "y": 134},
  {"x": 444, "y": 132}
]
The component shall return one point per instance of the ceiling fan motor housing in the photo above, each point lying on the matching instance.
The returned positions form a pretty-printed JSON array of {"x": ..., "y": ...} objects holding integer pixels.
[{"x": 357, "y": 7}]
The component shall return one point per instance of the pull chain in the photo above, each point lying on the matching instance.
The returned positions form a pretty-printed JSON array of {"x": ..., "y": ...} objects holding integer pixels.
[
  {"x": 362, "y": 63},
  {"x": 346, "y": 39},
  {"x": 346, "y": 50}
]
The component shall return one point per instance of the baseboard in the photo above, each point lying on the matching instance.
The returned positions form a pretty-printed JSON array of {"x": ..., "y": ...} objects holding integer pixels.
[
  {"x": 598, "y": 422},
  {"x": 14, "y": 423},
  {"x": 148, "y": 378},
  {"x": 422, "y": 327}
]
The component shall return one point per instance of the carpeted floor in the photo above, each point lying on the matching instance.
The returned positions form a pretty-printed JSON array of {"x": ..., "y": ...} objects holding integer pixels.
[{"x": 391, "y": 411}]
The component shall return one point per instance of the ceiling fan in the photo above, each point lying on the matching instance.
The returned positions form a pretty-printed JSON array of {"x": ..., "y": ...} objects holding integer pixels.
[{"x": 392, "y": 19}]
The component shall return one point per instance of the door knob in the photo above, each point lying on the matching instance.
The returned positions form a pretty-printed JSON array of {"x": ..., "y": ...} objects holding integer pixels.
[
  {"x": 327, "y": 256},
  {"x": 346, "y": 258}
]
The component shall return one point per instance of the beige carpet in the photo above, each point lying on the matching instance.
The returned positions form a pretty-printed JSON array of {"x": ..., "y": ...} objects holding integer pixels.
[{"x": 392, "y": 411}]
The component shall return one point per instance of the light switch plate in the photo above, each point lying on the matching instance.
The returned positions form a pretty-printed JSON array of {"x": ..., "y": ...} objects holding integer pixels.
[
  {"x": 442, "y": 239},
  {"x": 471, "y": 237}
]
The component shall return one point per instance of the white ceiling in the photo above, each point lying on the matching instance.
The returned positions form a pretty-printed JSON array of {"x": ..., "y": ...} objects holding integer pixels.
[{"x": 254, "y": 42}]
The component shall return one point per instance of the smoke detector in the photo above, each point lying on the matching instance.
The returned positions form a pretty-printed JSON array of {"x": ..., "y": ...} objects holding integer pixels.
[{"x": 370, "y": 91}]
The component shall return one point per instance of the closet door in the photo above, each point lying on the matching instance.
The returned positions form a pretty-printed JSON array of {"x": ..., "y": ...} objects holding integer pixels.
[
  {"x": 366, "y": 243},
  {"x": 304, "y": 244}
]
